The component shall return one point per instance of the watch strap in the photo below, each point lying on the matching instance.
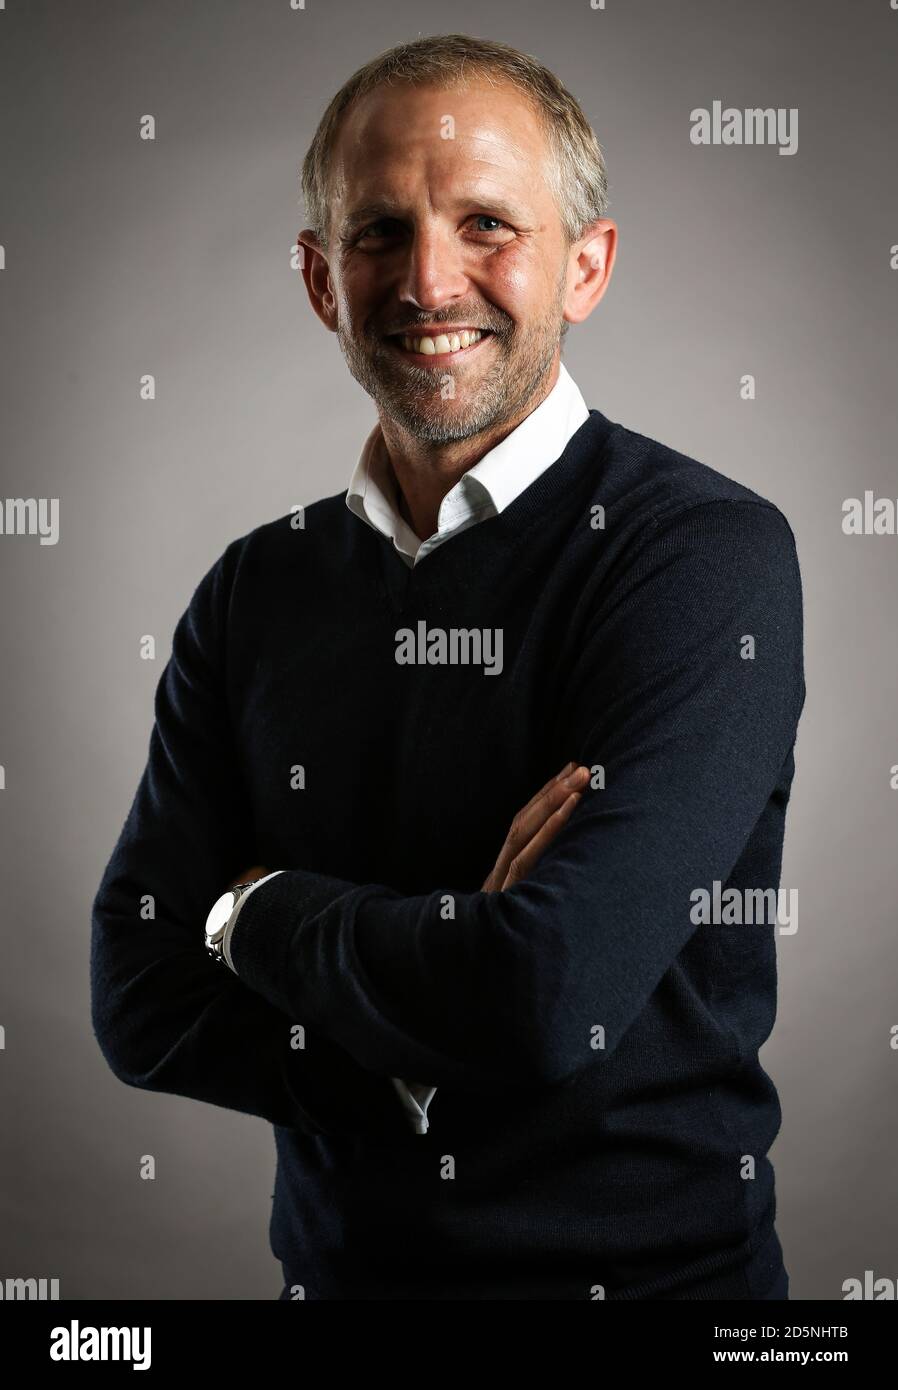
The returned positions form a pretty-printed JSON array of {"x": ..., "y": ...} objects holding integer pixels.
[{"x": 244, "y": 890}]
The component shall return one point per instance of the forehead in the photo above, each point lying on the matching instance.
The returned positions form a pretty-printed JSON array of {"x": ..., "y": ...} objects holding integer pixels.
[{"x": 479, "y": 130}]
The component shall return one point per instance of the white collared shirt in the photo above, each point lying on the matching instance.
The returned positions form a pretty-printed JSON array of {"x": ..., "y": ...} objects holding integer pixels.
[
  {"x": 487, "y": 487},
  {"x": 484, "y": 491}
]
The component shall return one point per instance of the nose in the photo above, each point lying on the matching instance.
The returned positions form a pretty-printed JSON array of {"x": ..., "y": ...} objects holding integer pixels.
[{"x": 433, "y": 274}]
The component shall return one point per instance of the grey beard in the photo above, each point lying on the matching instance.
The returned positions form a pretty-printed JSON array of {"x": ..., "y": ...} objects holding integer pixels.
[{"x": 411, "y": 395}]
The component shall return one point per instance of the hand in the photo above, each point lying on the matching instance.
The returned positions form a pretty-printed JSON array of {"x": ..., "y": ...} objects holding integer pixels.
[
  {"x": 258, "y": 872},
  {"x": 535, "y": 827}
]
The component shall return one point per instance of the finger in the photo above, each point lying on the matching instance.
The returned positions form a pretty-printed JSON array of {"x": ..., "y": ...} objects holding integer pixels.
[
  {"x": 537, "y": 811},
  {"x": 529, "y": 856},
  {"x": 528, "y": 821},
  {"x": 526, "y": 860},
  {"x": 565, "y": 771}
]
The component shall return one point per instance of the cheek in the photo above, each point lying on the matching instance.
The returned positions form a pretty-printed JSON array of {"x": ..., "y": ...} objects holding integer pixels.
[
  {"x": 356, "y": 295},
  {"x": 515, "y": 283}
]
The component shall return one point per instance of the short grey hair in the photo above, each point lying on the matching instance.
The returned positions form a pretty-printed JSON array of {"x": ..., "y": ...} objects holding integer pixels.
[{"x": 576, "y": 171}]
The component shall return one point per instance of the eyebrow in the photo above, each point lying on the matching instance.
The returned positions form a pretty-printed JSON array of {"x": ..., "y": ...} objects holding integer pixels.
[
  {"x": 353, "y": 219},
  {"x": 387, "y": 209}
]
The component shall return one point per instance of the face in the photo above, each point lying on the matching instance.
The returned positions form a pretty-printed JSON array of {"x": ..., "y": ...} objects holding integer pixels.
[{"x": 442, "y": 219}]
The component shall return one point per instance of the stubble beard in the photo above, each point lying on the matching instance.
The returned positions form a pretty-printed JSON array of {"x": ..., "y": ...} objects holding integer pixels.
[{"x": 484, "y": 397}]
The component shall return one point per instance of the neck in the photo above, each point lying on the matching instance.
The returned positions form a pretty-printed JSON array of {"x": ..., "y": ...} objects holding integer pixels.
[{"x": 425, "y": 472}]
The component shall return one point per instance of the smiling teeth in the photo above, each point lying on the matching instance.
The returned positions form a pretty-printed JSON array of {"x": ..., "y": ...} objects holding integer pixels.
[{"x": 446, "y": 342}]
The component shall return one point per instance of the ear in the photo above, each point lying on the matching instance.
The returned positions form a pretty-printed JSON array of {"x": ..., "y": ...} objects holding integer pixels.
[
  {"x": 590, "y": 263},
  {"x": 316, "y": 273}
]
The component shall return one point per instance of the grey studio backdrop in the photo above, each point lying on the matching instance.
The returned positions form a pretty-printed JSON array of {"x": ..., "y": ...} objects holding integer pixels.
[{"x": 172, "y": 257}]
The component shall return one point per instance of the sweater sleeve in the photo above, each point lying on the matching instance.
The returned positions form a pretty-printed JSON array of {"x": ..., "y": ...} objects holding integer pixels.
[
  {"x": 166, "y": 1016},
  {"x": 686, "y": 689}
]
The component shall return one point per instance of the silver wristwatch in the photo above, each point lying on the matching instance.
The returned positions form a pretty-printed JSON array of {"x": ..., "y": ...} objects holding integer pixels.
[{"x": 220, "y": 916}]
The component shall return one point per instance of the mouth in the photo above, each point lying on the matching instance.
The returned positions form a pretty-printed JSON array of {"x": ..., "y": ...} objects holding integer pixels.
[{"x": 435, "y": 350}]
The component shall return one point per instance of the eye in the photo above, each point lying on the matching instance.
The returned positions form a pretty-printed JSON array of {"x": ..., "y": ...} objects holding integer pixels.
[
  {"x": 384, "y": 222},
  {"x": 388, "y": 222},
  {"x": 488, "y": 217}
]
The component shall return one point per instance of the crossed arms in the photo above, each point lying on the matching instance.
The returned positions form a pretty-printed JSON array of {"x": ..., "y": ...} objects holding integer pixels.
[{"x": 692, "y": 739}]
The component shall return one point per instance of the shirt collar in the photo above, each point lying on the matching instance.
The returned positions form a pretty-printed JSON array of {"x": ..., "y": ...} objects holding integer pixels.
[{"x": 489, "y": 485}]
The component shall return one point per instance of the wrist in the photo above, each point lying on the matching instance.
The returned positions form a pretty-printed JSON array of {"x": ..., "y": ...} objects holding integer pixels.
[{"x": 223, "y": 917}]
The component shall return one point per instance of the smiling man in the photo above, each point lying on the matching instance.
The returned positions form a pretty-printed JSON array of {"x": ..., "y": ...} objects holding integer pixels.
[
  {"x": 446, "y": 271},
  {"x": 502, "y": 1058}
]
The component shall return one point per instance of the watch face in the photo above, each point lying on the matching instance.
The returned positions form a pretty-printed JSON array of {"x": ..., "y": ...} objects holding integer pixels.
[{"x": 218, "y": 917}]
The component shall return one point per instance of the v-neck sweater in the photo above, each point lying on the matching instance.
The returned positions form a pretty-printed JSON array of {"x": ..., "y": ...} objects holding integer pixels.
[{"x": 602, "y": 1122}]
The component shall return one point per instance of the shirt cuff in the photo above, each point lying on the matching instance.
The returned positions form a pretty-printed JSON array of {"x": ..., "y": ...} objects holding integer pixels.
[
  {"x": 232, "y": 920},
  {"x": 415, "y": 1097}
]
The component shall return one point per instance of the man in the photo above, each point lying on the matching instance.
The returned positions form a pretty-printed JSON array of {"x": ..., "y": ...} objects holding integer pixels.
[{"x": 500, "y": 1062}]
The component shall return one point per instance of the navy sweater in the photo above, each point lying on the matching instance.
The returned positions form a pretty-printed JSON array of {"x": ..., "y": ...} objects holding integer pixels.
[{"x": 602, "y": 1122}]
